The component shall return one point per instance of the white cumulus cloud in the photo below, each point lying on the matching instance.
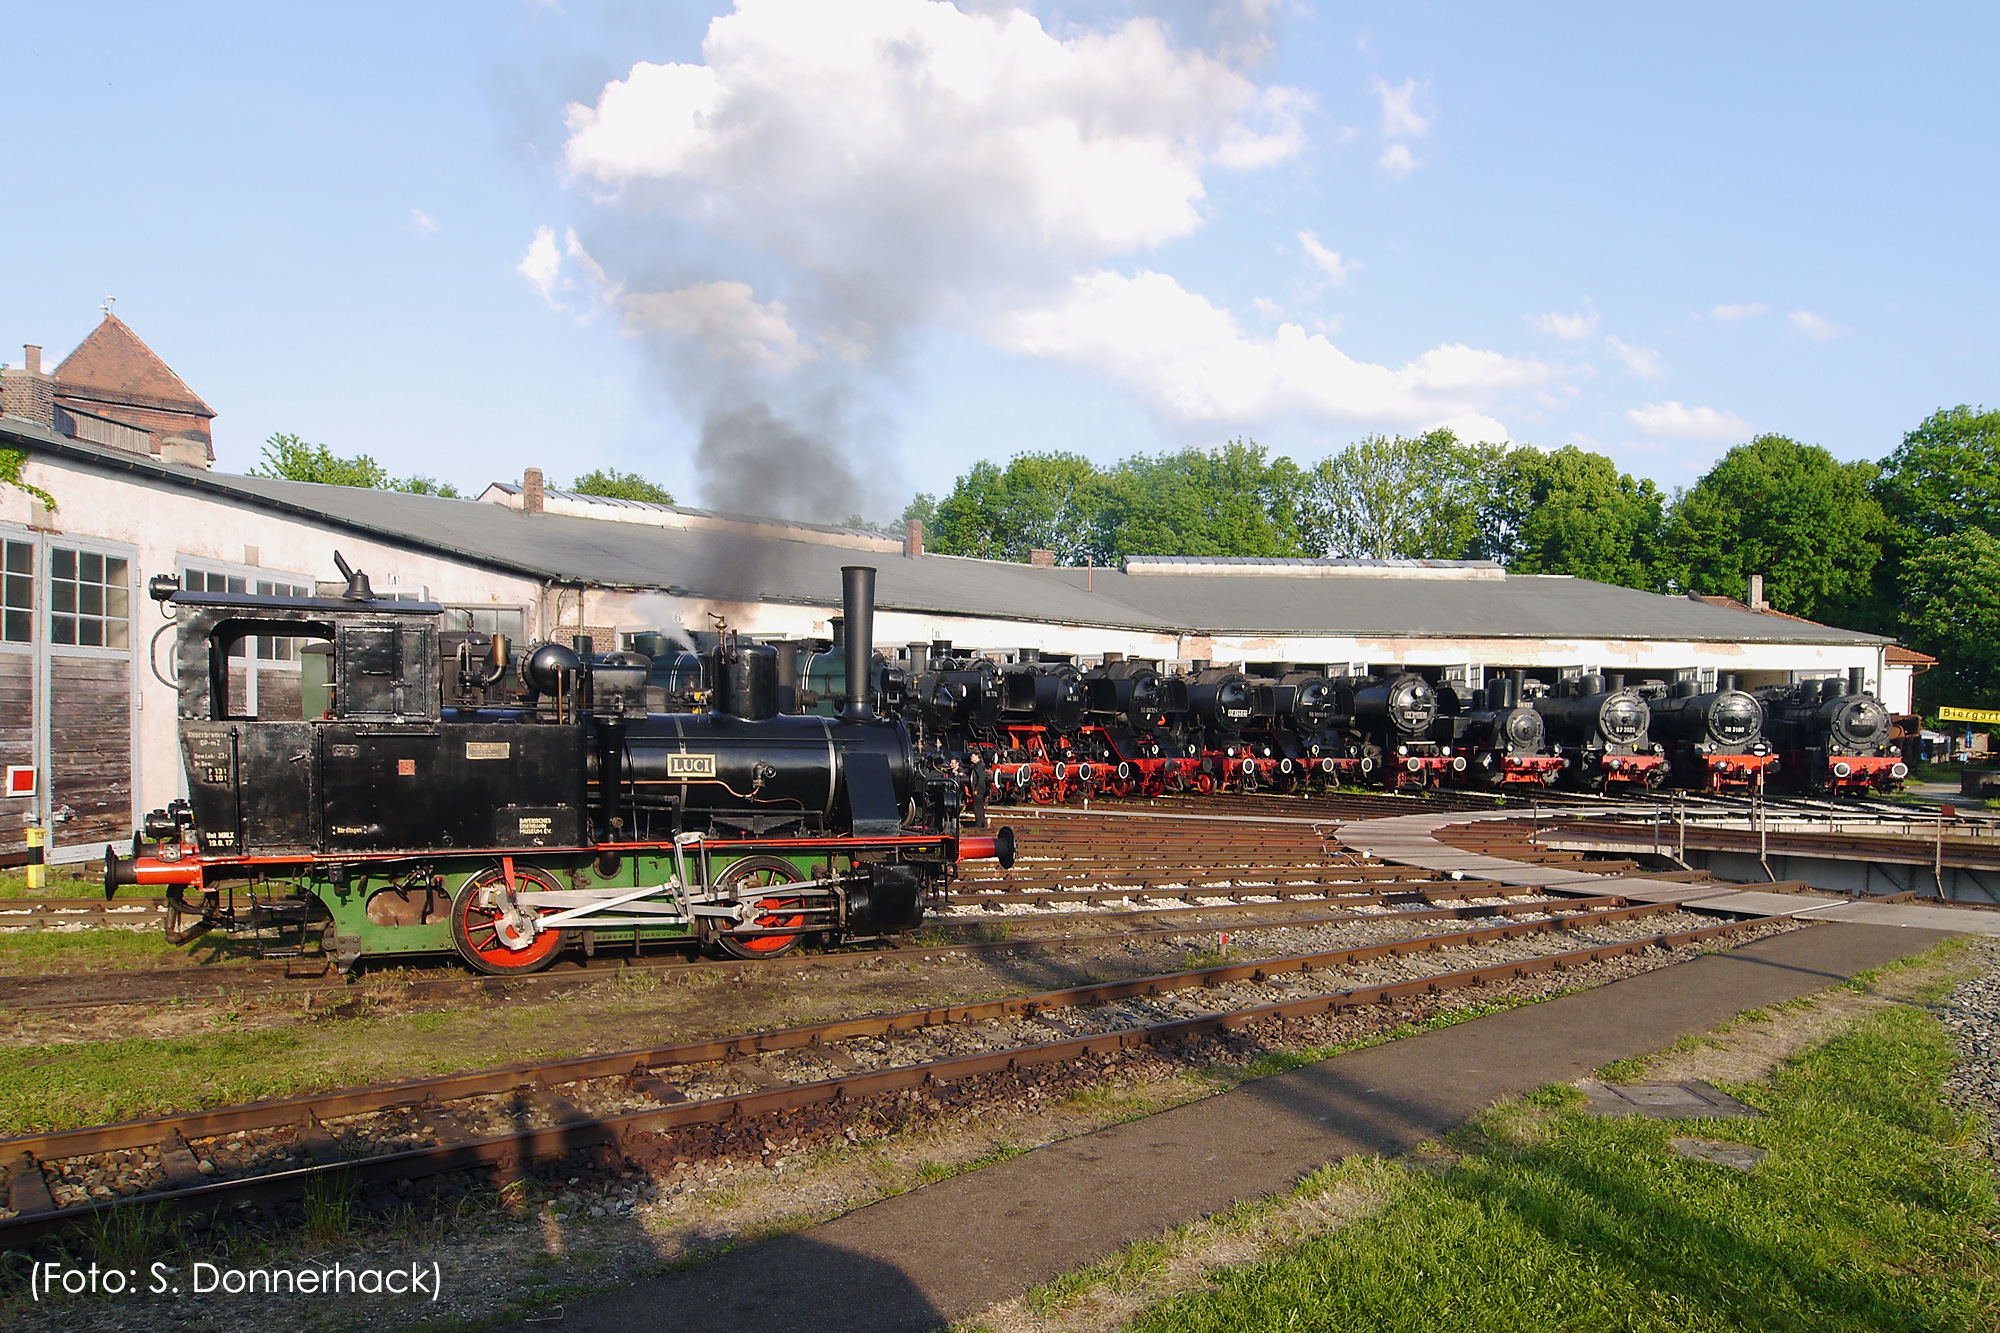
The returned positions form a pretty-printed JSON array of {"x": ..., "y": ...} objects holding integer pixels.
[
  {"x": 1815, "y": 326},
  {"x": 1677, "y": 421},
  {"x": 903, "y": 152},
  {"x": 1567, "y": 327},
  {"x": 1731, "y": 313},
  {"x": 1641, "y": 361},
  {"x": 1197, "y": 365},
  {"x": 1327, "y": 261}
]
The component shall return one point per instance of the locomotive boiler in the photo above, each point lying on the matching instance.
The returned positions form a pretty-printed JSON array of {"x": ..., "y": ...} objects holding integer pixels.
[
  {"x": 1832, "y": 736},
  {"x": 1603, "y": 731},
  {"x": 425, "y": 809}
]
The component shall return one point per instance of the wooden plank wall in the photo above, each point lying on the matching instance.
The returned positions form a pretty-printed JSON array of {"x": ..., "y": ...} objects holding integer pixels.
[
  {"x": 90, "y": 748},
  {"x": 17, "y": 738}
]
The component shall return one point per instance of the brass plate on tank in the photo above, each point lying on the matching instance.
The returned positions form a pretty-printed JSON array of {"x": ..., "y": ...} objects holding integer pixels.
[
  {"x": 489, "y": 749},
  {"x": 690, "y": 766}
]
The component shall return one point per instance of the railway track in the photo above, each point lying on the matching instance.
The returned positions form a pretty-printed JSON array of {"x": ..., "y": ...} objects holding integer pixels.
[
  {"x": 361, "y": 1139},
  {"x": 958, "y": 936}
]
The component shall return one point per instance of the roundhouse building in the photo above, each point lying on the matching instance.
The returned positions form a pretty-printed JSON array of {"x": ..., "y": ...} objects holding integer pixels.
[{"x": 83, "y": 701}]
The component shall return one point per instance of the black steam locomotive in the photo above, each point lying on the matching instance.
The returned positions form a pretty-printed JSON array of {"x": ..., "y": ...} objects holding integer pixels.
[
  {"x": 417, "y": 804},
  {"x": 1832, "y": 736}
]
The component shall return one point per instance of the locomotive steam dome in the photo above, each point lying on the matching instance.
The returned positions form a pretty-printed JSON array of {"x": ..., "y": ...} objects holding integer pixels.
[
  {"x": 1859, "y": 721},
  {"x": 1623, "y": 718}
]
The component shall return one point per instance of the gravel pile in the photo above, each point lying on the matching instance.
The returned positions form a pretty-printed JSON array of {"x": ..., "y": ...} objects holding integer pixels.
[{"x": 1971, "y": 1013}]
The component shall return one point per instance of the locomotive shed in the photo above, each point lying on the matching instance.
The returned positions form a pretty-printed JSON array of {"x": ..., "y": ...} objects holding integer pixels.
[{"x": 540, "y": 564}]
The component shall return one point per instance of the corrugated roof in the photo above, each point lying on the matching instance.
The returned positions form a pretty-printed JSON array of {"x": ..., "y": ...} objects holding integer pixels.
[{"x": 726, "y": 566}]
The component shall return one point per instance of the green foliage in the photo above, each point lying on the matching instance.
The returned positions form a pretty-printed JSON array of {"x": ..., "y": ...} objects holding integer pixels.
[
  {"x": 1951, "y": 609},
  {"x": 1415, "y": 498},
  {"x": 1572, "y": 512},
  {"x": 621, "y": 486},
  {"x": 1789, "y": 511},
  {"x": 11, "y": 462},
  {"x": 1229, "y": 501},
  {"x": 1049, "y": 502},
  {"x": 1945, "y": 476},
  {"x": 288, "y": 458},
  {"x": 1865, "y": 1215}
]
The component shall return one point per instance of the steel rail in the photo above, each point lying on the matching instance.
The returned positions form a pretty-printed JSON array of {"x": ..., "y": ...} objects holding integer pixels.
[
  {"x": 506, "y": 1078},
  {"x": 525, "y": 1144}
]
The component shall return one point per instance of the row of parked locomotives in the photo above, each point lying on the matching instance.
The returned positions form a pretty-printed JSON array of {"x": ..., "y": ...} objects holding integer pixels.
[
  {"x": 438, "y": 794},
  {"x": 1047, "y": 732}
]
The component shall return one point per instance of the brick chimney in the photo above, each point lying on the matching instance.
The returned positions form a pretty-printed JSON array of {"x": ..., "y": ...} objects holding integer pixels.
[
  {"x": 1047, "y": 558},
  {"x": 531, "y": 491},
  {"x": 1757, "y": 602},
  {"x": 27, "y": 393},
  {"x": 913, "y": 537}
]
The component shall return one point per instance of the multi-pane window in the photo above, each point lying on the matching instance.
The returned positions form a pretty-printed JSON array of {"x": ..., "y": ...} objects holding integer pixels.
[
  {"x": 197, "y": 580},
  {"x": 276, "y": 649},
  {"x": 511, "y": 621},
  {"x": 17, "y": 592},
  {"x": 89, "y": 599}
]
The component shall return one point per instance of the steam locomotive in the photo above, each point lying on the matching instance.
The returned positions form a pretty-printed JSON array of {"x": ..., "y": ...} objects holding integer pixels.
[
  {"x": 1716, "y": 737},
  {"x": 421, "y": 804},
  {"x": 1831, "y": 736},
  {"x": 1603, "y": 733}
]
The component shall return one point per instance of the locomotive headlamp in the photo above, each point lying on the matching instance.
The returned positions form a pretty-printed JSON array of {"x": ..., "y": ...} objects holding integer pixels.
[{"x": 161, "y": 587}]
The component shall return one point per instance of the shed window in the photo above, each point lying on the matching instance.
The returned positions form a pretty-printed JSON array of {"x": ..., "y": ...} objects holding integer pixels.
[
  {"x": 17, "y": 593},
  {"x": 89, "y": 599}
]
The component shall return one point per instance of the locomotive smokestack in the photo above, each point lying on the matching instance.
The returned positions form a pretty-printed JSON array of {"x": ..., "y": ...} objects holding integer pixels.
[
  {"x": 1857, "y": 680},
  {"x": 858, "y": 609}
]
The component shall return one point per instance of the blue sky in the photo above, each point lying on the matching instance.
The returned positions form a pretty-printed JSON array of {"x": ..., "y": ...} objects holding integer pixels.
[{"x": 897, "y": 238}]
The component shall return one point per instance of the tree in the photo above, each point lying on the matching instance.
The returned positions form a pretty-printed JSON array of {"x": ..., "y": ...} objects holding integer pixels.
[
  {"x": 1231, "y": 501},
  {"x": 289, "y": 458},
  {"x": 1788, "y": 511},
  {"x": 621, "y": 486},
  {"x": 1951, "y": 599},
  {"x": 1571, "y": 512},
  {"x": 1048, "y": 502},
  {"x": 1399, "y": 497},
  {"x": 1945, "y": 476}
]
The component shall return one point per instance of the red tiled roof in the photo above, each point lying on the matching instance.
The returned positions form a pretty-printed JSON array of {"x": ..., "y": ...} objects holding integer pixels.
[
  {"x": 1897, "y": 655},
  {"x": 113, "y": 365}
]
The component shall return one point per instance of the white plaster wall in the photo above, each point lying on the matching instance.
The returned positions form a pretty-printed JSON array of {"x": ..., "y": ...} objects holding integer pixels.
[{"x": 168, "y": 524}]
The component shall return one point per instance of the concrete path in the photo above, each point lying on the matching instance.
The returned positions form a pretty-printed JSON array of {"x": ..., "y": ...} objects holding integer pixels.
[
  {"x": 949, "y": 1250},
  {"x": 1411, "y": 840}
]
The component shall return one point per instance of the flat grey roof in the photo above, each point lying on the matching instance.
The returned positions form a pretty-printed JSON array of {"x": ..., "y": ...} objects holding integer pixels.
[{"x": 729, "y": 566}]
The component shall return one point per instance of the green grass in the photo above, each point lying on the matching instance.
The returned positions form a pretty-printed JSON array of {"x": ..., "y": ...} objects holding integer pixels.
[
  {"x": 97, "y": 947},
  {"x": 1867, "y": 1215},
  {"x": 63, "y": 882}
]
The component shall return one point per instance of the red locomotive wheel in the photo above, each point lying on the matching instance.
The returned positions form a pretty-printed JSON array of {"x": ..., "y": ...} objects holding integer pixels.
[
  {"x": 481, "y": 933},
  {"x": 744, "y": 880}
]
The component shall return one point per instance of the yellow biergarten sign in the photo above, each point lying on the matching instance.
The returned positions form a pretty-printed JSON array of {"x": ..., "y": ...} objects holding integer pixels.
[{"x": 1989, "y": 716}]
